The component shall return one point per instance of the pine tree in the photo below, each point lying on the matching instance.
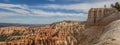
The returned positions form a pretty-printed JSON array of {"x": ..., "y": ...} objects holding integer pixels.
[{"x": 117, "y": 6}]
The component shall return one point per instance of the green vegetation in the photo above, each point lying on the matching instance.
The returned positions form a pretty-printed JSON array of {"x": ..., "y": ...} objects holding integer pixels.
[
  {"x": 116, "y": 5},
  {"x": 16, "y": 33},
  {"x": 3, "y": 37}
]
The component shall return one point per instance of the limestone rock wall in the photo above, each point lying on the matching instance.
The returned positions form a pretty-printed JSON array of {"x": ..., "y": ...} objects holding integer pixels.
[{"x": 96, "y": 14}]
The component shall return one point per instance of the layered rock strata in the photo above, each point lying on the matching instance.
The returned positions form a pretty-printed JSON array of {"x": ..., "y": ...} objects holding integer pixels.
[{"x": 97, "y": 14}]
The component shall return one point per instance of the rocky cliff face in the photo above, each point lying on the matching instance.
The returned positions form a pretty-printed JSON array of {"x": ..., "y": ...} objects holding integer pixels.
[
  {"x": 107, "y": 20},
  {"x": 93, "y": 34},
  {"x": 97, "y": 14},
  {"x": 112, "y": 35}
]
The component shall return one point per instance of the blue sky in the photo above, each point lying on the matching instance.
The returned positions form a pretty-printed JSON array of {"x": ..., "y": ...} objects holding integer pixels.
[{"x": 47, "y": 11}]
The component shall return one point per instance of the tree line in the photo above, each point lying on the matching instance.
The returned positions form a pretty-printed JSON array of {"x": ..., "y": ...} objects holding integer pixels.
[{"x": 116, "y": 6}]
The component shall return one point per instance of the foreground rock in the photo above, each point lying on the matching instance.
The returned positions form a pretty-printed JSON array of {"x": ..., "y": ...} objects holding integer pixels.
[
  {"x": 112, "y": 35},
  {"x": 94, "y": 31}
]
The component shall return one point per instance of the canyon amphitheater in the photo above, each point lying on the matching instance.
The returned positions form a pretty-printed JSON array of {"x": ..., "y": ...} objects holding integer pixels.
[{"x": 101, "y": 28}]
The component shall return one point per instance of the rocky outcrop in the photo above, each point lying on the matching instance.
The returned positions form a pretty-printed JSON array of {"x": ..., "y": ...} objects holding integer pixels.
[
  {"x": 112, "y": 35},
  {"x": 11, "y": 29},
  {"x": 107, "y": 20},
  {"x": 95, "y": 30},
  {"x": 101, "y": 35},
  {"x": 97, "y": 14},
  {"x": 61, "y": 33}
]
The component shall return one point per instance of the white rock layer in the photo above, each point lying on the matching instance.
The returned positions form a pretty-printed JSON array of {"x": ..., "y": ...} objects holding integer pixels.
[{"x": 112, "y": 36}]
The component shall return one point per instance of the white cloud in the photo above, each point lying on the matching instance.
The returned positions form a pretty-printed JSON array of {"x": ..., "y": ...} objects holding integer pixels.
[
  {"x": 81, "y": 6},
  {"x": 7, "y": 13},
  {"x": 7, "y": 0},
  {"x": 21, "y": 9},
  {"x": 25, "y": 10},
  {"x": 43, "y": 13},
  {"x": 13, "y": 5}
]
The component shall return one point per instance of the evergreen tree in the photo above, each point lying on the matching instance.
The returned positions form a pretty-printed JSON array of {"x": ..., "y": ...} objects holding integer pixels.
[{"x": 117, "y": 6}]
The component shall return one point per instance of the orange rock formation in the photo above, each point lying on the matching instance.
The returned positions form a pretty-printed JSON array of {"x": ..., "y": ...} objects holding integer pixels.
[{"x": 47, "y": 35}]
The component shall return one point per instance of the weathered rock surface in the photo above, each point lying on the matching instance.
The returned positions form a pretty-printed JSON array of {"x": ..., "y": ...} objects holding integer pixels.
[
  {"x": 109, "y": 19},
  {"x": 91, "y": 35},
  {"x": 112, "y": 35},
  {"x": 97, "y": 14}
]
